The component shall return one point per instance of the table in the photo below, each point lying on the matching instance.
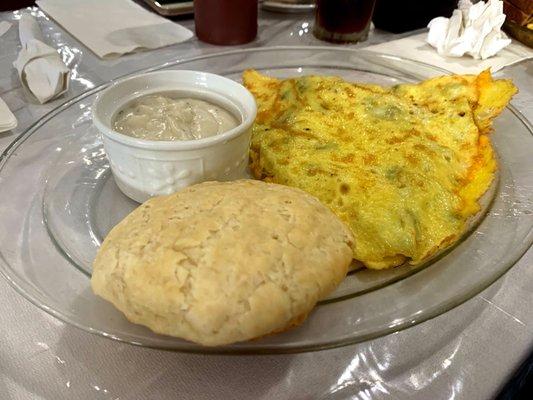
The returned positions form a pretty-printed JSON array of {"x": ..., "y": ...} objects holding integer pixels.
[{"x": 466, "y": 353}]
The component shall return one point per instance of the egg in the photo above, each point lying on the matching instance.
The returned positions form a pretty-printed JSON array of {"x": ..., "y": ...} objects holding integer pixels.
[{"x": 403, "y": 167}]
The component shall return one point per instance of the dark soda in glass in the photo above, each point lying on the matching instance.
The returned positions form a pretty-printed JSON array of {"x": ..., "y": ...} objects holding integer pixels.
[{"x": 343, "y": 21}]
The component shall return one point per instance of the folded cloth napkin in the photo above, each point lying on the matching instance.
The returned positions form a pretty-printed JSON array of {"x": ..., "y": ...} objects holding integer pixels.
[
  {"x": 7, "y": 119},
  {"x": 473, "y": 29},
  {"x": 415, "y": 48},
  {"x": 114, "y": 27},
  {"x": 40, "y": 68}
]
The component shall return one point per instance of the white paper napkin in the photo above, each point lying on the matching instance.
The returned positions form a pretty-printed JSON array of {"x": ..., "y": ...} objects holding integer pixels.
[
  {"x": 40, "y": 68},
  {"x": 114, "y": 27},
  {"x": 7, "y": 119},
  {"x": 415, "y": 48},
  {"x": 473, "y": 29}
]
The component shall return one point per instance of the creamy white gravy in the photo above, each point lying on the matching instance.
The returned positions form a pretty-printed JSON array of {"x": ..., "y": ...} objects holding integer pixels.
[{"x": 165, "y": 117}]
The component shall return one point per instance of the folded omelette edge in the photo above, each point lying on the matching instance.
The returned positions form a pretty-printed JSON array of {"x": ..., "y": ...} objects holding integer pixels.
[{"x": 403, "y": 167}]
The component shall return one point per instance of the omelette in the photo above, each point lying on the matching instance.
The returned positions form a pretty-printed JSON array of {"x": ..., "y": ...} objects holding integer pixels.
[{"x": 402, "y": 166}]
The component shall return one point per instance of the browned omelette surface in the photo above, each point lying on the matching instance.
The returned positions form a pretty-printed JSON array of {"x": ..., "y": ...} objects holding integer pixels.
[{"x": 403, "y": 167}]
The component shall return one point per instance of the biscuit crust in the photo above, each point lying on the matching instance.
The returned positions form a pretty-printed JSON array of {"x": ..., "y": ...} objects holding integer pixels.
[{"x": 218, "y": 263}]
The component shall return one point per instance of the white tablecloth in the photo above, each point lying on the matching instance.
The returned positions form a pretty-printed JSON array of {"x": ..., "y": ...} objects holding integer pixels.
[{"x": 467, "y": 353}]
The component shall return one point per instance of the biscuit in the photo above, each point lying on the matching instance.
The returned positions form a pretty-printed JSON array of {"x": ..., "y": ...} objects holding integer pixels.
[{"x": 218, "y": 263}]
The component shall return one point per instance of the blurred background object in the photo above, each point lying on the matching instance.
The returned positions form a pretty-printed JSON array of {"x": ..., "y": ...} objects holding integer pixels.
[
  {"x": 520, "y": 386},
  {"x": 519, "y": 11},
  {"x": 343, "y": 21},
  {"x": 289, "y": 6},
  {"x": 6, "y": 5},
  {"x": 226, "y": 22},
  {"x": 404, "y": 15},
  {"x": 171, "y": 7},
  {"x": 519, "y": 21}
]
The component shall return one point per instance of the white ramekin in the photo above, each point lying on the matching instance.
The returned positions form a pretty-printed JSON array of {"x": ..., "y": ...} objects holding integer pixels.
[{"x": 146, "y": 168}]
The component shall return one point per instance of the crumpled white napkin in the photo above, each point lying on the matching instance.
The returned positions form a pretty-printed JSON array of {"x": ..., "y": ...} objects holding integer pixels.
[
  {"x": 40, "y": 68},
  {"x": 7, "y": 119},
  {"x": 111, "y": 28},
  {"x": 473, "y": 29}
]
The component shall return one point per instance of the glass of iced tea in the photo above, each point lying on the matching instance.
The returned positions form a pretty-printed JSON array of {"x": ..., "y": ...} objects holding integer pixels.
[{"x": 343, "y": 21}]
